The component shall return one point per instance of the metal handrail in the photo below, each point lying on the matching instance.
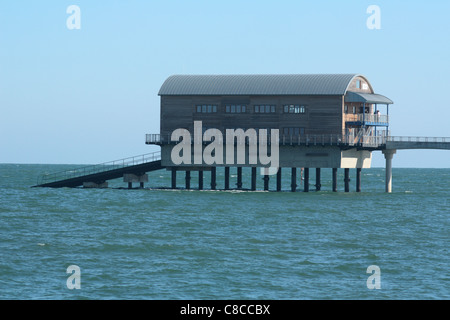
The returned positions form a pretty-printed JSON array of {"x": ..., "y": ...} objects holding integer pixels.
[
  {"x": 305, "y": 139},
  {"x": 359, "y": 117},
  {"x": 418, "y": 139},
  {"x": 97, "y": 168}
]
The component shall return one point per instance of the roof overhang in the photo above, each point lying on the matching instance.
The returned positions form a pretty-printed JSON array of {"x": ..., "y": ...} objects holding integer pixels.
[{"x": 351, "y": 96}]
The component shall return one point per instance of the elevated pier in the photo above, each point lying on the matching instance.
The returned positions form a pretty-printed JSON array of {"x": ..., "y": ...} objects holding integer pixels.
[
  {"x": 397, "y": 143},
  {"x": 134, "y": 169},
  {"x": 393, "y": 143}
]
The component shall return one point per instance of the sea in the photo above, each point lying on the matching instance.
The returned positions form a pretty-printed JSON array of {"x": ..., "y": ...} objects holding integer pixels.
[{"x": 154, "y": 243}]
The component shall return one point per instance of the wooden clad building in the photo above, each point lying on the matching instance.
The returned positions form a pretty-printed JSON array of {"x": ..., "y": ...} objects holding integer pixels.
[{"x": 322, "y": 120}]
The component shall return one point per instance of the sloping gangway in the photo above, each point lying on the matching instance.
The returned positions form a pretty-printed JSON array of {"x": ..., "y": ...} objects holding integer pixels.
[{"x": 99, "y": 173}]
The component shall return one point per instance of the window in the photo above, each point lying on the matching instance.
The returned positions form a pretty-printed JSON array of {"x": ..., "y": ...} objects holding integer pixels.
[
  {"x": 265, "y": 109},
  {"x": 346, "y": 109},
  {"x": 206, "y": 108},
  {"x": 294, "y": 108},
  {"x": 293, "y": 131},
  {"x": 358, "y": 84},
  {"x": 354, "y": 110},
  {"x": 235, "y": 108}
]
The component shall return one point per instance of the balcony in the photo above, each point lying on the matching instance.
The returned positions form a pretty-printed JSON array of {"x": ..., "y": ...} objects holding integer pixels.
[
  {"x": 366, "y": 119},
  {"x": 362, "y": 141}
]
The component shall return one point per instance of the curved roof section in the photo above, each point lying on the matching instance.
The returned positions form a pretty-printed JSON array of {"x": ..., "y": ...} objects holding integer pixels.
[{"x": 287, "y": 84}]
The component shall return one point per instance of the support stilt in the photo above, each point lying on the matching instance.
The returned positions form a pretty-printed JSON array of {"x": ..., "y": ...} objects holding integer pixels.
[
  {"x": 358, "y": 179},
  {"x": 227, "y": 178},
  {"x": 213, "y": 178},
  {"x": 347, "y": 179},
  {"x": 253, "y": 188},
  {"x": 279, "y": 179},
  {"x": 293, "y": 179},
  {"x": 389, "y": 155},
  {"x": 200, "y": 180},
  {"x": 318, "y": 185},
  {"x": 266, "y": 182},
  {"x": 174, "y": 178},
  {"x": 239, "y": 178},
  {"x": 306, "y": 179},
  {"x": 188, "y": 179},
  {"x": 334, "y": 179}
]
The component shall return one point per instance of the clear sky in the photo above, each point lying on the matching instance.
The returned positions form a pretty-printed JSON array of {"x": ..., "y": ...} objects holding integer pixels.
[{"x": 89, "y": 95}]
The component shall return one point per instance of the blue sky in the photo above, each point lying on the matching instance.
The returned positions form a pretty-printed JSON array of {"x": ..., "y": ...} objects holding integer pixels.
[{"x": 90, "y": 95}]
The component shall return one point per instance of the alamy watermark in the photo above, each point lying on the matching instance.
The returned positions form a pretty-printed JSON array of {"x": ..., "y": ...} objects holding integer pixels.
[
  {"x": 74, "y": 20},
  {"x": 213, "y": 153},
  {"x": 374, "y": 280},
  {"x": 74, "y": 280},
  {"x": 374, "y": 20}
]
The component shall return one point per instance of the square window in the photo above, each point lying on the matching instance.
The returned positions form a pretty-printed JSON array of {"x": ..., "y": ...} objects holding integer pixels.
[
  {"x": 243, "y": 109},
  {"x": 199, "y": 108},
  {"x": 233, "y": 108},
  {"x": 204, "y": 108},
  {"x": 227, "y": 109},
  {"x": 238, "y": 108},
  {"x": 272, "y": 109},
  {"x": 267, "y": 109},
  {"x": 291, "y": 108},
  {"x": 209, "y": 108},
  {"x": 286, "y": 108},
  {"x": 302, "y": 109},
  {"x": 256, "y": 109},
  {"x": 214, "y": 108}
]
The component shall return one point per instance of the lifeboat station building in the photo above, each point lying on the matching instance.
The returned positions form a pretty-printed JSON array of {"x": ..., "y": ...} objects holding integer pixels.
[{"x": 315, "y": 121}]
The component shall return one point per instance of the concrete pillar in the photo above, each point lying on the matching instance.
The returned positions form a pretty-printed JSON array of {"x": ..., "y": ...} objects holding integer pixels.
[
  {"x": 200, "y": 180},
  {"x": 347, "y": 179},
  {"x": 279, "y": 179},
  {"x": 227, "y": 178},
  {"x": 138, "y": 177},
  {"x": 388, "y": 155},
  {"x": 97, "y": 184},
  {"x": 239, "y": 178},
  {"x": 293, "y": 179},
  {"x": 358, "y": 179},
  {"x": 213, "y": 178},
  {"x": 318, "y": 185},
  {"x": 188, "y": 179},
  {"x": 306, "y": 179},
  {"x": 253, "y": 179},
  {"x": 334, "y": 179},
  {"x": 174, "y": 178}
]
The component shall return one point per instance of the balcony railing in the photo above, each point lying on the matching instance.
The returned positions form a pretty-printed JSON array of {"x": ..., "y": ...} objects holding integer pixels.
[
  {"x": 373, "y": 118},
  {"x": 370, "y": 141}
]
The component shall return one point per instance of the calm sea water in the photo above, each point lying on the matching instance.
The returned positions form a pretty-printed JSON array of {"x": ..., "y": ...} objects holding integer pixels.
[{"x": 178, "y": 244}]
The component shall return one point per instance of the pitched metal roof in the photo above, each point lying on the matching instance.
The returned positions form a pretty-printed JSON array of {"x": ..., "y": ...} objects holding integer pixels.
[
  {"x": 367, "y": 97},
  {"x": 287, "y": 84}
]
